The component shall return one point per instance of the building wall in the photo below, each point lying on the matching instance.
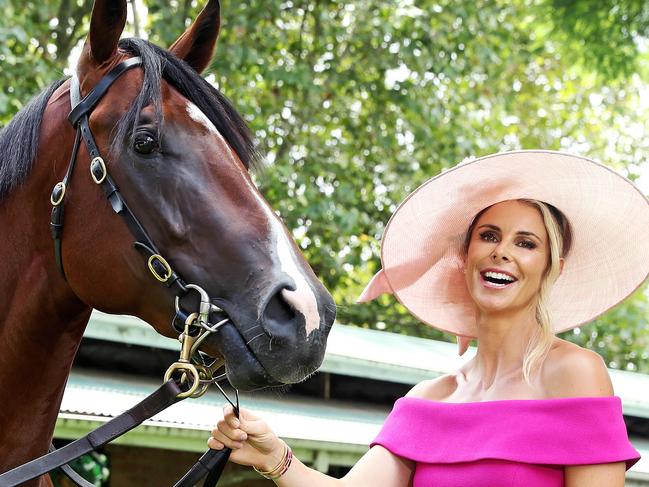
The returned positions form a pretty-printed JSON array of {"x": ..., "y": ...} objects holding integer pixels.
[
  {"x": 636, "y": 482},
  {"x": 151, "y": 467}
]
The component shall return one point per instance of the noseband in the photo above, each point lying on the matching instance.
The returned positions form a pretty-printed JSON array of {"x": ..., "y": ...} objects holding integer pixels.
[{"x": 193, "y": 327}]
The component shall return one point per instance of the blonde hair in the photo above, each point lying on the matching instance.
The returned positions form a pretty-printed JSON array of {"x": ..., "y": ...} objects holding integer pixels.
[{"x": 559, "y": 239}]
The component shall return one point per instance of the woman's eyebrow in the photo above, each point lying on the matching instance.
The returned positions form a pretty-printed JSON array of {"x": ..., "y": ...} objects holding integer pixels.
[{"x": 520, "y": 232}]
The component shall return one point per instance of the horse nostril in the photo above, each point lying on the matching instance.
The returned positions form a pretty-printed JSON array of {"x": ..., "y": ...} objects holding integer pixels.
[
  {"x": 279, "y": 318},
  {"x": 278, "y": 309}
]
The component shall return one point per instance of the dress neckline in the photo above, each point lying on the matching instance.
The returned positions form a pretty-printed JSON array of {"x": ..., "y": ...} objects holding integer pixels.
[
  {"x": 527, "y": 401},
  {"x": 553, "y": 431}
]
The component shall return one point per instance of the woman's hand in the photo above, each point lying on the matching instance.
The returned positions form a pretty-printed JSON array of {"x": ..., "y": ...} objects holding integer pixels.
[{"x": 250, "y": 438}]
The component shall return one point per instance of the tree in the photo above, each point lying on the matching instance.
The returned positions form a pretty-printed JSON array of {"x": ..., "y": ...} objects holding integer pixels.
[
  {"x": 356, "y": 103},
  {"x": 36, "y": 39}
]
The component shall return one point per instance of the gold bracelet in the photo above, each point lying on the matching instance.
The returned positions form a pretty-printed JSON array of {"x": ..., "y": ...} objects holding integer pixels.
[{"x": 281, "y": 468}]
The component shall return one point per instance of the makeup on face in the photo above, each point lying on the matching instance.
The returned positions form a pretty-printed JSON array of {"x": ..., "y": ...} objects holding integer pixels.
[{"x": 507, "y": 255}]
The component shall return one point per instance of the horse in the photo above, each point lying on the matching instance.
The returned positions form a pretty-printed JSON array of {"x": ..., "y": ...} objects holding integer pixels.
[{"x": 181, "y": 156}]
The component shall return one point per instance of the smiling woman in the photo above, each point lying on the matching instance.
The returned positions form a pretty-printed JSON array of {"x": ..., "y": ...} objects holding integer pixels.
[
  {"x": 507, "y": 249},
  {"x": 536, "y": 237}
]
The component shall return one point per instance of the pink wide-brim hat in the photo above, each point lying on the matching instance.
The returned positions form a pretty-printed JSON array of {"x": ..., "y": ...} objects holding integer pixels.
[{"x": 421, "y": 250}]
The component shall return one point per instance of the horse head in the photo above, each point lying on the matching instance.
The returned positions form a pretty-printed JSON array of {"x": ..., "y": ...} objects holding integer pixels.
[{"x": 180, "y": 155}]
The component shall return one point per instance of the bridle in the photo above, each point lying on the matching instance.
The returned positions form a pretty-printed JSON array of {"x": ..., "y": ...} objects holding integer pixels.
[
  {"x": 184, "y": 378},
  {"x": 79, "y": 118}
]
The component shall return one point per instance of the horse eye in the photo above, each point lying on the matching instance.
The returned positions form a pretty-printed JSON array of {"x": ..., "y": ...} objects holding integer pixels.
[{"x": 144, "y": 144}]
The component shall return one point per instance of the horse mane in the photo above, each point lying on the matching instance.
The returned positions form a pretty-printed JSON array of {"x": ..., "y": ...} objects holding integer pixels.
[
  {"x": 19, "y": 141},
  {"x": 159, "y": 63},
  {"x": 19, "y": 138}
]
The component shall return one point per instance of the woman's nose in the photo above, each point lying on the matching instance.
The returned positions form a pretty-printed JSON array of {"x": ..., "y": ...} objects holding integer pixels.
[{"x": 500, "y": 251}]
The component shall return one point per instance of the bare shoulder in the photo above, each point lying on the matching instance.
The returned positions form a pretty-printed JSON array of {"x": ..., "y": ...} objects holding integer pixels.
[
  {"x": 435, "y": 389},
  {"x": 573, "y": 371}
]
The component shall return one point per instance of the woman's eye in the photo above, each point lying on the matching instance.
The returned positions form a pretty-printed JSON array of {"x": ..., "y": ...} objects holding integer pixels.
[
  {"x": 528, "y": 244},
  {"x": 144, "y": 144},
  {"x": 488, "y": 236}
]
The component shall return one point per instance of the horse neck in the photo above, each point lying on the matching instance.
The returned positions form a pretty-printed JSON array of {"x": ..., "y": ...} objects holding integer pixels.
[{"x": 41, "y": 320}]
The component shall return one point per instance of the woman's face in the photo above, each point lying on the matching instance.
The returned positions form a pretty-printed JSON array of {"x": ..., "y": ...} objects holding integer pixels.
[{"x": 507, "y": 255}]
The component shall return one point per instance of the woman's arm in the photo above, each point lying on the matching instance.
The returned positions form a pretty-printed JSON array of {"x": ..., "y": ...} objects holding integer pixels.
[
  {"x": 600, "y": 475},
  {"x": 377, "y": 467},
  {"x": 254, "y": 443}
]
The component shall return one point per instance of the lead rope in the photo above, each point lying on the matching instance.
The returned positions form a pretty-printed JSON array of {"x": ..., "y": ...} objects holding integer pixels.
[
  {"x": 166, "y": 395},
  {"x": 212, "y": 462},
  {"x": 195, "y": 377}
]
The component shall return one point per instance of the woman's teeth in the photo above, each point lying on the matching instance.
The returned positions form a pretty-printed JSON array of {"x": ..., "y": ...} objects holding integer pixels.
[{"x": 498, "y": 279}]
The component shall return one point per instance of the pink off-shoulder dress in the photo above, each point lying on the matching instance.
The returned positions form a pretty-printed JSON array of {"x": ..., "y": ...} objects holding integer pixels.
[{"x": 507, "y": 443}]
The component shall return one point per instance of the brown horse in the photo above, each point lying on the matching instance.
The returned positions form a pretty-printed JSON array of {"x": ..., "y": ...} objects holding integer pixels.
[{"x": 180, "y": 155}]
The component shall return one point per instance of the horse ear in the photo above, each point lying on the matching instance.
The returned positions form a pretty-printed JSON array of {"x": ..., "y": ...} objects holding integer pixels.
[
  {"x": 196, "y": 45},
  {"x": 106, "y": 25}
]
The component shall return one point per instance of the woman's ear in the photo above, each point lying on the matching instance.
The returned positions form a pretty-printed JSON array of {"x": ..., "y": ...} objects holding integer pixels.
[{"x": 561, "y": 262}]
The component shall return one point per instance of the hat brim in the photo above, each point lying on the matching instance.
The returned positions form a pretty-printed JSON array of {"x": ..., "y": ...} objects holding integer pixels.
[{"x": 421, "y": 250}]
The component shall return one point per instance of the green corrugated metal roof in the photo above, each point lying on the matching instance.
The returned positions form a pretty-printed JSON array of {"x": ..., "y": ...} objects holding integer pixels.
[{"x": 370, "y": 354}]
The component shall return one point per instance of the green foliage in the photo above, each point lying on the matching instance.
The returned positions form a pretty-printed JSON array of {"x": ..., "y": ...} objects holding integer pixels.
[
  {"x": 603, "y": 34},
  {"x": 356, "y": 103},
  {"x": 36, "y": 39},
  {"x": 621, "y": 336}
]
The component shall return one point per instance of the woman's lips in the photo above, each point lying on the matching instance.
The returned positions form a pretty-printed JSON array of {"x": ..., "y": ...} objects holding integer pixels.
[{"x": 493, "y": 285}]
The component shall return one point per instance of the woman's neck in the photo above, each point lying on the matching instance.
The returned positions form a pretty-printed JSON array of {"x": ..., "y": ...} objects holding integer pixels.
[{"x": 502, "y": 341}]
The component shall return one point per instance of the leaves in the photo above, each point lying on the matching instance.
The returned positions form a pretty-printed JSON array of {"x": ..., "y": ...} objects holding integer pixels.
[
  {"x": 357, "y": 103},
  {"x": 36, "y": 39},
  {"x": 621, "y": 336}
]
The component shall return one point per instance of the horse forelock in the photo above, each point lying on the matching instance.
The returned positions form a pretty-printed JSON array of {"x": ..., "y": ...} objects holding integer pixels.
[{"x": 159, "y": 64}]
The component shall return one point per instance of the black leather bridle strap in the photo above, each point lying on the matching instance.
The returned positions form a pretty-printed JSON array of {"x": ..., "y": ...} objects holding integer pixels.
[
  {"x": 162, "y": 398},
  {"x": 58, "y": 205},
  {"x": 143, "y": 243},
  {"x": 88, "y": 103},
  {"x": 79, "y": 118},
  {"x": 79, "y": 108}
]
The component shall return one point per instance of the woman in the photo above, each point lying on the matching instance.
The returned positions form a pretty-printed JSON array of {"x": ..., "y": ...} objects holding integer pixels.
[{"x": 508, "y": 249}]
